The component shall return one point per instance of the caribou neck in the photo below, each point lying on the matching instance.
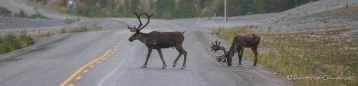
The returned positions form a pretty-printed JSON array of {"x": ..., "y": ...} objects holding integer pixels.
[
  {"x": 143, "y": 37},
  {"x": 232, "y": 50}
]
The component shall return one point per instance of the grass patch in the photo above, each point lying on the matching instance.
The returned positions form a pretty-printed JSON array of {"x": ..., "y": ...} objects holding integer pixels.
[
  {"x": 304, "y": 54},
  {"x": 93, "y": 27},
  {"x": 37, "y": 15},
  {"x": 12, "y": 42},
  {"x": 69, "y": 21}
]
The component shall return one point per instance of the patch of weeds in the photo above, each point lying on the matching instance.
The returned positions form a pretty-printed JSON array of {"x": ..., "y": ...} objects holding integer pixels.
[
  {"x": 12, "y": 42},
  {"x": 63, "y": 30},
  {"x": 217, "y": 31},
  {"x": 45, "y": 33},
  {"x": 80, "y": 29},
  {"x": 25, "y": 40},
  {"x": 37, "y": 15},
  {"x": 69, "y": 21},
  {"x": 21, "y": 14},
  {"x": 93, "y": 27}
]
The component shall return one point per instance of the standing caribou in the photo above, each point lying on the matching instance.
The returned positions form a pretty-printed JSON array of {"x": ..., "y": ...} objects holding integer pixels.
[
  {"x": 240, "y": 42},
  {"x": 158, "y": 40}
]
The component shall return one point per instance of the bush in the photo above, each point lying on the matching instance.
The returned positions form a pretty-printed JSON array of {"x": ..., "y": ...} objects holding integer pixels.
[
  {"x": 25, "y": 40},
  {"x": 21, "y": 14},
  {"x": 10, "y": 43},
  {"x": 37, "y": 15},
  {"x": 5, "y": 12}
]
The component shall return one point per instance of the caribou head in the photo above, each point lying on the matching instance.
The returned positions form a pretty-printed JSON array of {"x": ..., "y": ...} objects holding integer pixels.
[{"x": 138, "y": 34}]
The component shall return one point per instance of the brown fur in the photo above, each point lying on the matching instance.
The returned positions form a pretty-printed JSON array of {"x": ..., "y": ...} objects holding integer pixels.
[{"x": 240, "y": 42}]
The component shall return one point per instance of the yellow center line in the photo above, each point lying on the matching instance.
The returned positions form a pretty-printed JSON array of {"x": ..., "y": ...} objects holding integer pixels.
[
  {"x": 91, "y": 63},
  {"x": 85, "y": 71},
  {"x": 79, "y": 77},
  {"x": 83, "y": 67}
]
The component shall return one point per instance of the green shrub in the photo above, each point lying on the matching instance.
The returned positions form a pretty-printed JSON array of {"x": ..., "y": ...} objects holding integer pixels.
[
  {"x": 10, "y": 43},
  {"x": 5, "y": 12},
  {"x": 21, "y": 14},
  {"x": 37, "y": 15},
  {"x": 25, "y": 40},
  {"x": 63, "y": 30}
]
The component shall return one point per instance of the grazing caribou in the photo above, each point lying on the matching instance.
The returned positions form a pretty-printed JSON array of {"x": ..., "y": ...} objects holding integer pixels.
[
  {"x": 240, "y": 42},
  {"x": 158, "y": 40},
  {"x": 217, "y": 47}
]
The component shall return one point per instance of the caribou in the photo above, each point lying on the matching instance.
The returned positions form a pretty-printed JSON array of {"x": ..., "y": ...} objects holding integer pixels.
[
  {"x": 158, "y": 40},
  {"x": 239, "y": 43}
]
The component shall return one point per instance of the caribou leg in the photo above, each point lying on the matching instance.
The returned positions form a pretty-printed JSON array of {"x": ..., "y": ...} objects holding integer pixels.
[
  {"x": 148, "y": 55},
  {"x": 254, "y": 49},
  {"x": 184, "y": 52},
  {"x": 240, "y": 53},
  {"x": 180, "y": 53},
  {"x": 175, "y": 62},
  {"x": 161, "y": 57}
]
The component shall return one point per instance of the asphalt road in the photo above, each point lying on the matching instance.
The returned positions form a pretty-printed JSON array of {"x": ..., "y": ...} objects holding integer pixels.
[{"x": 107, "y": 58}]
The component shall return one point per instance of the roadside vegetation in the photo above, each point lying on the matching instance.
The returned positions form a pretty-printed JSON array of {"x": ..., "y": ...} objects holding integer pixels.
[
  {"x": 323, "y": 54},
  {"x": 11, "y": 41},
  {"x": 4, "y": 12},
  {"x": 69, "y": 21},
  {"x": 22, "y": 14}
]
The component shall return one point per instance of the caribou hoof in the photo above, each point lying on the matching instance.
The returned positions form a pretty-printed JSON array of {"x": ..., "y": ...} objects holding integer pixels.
[
  {"x": 144, "y": 66},
  {"x": 164, "y": 66},
  {"x": 218, "y": 59},
  {"x": 183, "y": 67},
  {"x": 239, "y": 66},
  {"x": 174, "y": 64}
]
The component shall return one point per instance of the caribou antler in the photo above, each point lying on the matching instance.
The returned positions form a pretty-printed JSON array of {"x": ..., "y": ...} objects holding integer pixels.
[
  {"x": 140, "y": 28},
  {"x": 215, "y": 47},
  {"x": 134, "y": 29}
]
